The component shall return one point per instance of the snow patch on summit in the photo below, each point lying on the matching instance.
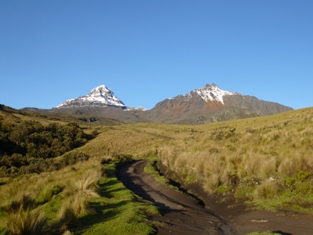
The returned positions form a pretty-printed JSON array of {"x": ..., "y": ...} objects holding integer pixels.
[
  {"x": 213, "y": 93},
  {"x": 99, "y": 96},
  {"x": 102, "y": 94}
]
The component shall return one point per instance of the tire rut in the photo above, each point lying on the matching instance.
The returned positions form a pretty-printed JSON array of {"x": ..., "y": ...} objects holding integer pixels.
[{"x": 181, "y": 213}]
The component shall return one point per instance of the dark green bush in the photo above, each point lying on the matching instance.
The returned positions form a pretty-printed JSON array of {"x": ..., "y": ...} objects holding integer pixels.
[{"x": 27, "y": 146}]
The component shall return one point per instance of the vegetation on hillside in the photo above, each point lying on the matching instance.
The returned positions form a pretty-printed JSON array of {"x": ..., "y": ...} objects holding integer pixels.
[
  {"x": 60, "y": 190},
  {"x": 28, "y": 146},
  {"x": 85, "y": 198},
  {"x": 266, "y": 162}
]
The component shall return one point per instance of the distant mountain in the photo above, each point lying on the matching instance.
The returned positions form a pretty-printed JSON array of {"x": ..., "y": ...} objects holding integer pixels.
[
  {"x": 211, "y": 104},
  {"x": 99, "y": 96},
  {"x": 203, "y": 105},
  {"x": 100, "y": 102}
]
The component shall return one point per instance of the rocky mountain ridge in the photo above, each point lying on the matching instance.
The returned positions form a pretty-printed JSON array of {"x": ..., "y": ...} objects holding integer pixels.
[{"x": 203, "y": 105}]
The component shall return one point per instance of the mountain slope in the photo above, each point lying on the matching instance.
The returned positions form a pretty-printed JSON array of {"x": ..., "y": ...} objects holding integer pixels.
[
  {"x": 99, "y": 96},
  {"x": 211, "y": 104},
  {"x": 100, "y": 102},
  {"x": 203, "y": 105}
]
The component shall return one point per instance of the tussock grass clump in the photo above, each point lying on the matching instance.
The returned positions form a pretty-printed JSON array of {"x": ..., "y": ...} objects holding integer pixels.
[
  {"x": 268, "y": 167},
  {"x": 27, "y": 222},
  {"x": 15, "y": 195},
  {"x": 211, "y": 182},
  {"x": 80, "y": 191},
  {"x": 267, "y": 190},
  {"x": 22, "y": 198},
  {"x": 22, "y": 215},
  {"x": 66, "y": 216}
]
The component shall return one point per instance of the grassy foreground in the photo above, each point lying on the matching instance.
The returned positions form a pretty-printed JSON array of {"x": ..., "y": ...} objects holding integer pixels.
[
  {"x": 50, "y": 185},
  {"x": 85, "y": 198},
  {"x": 266, "y": 162}
]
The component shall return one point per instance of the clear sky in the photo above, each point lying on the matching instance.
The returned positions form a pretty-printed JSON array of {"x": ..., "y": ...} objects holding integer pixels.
[{"x": 147, "y": 51}]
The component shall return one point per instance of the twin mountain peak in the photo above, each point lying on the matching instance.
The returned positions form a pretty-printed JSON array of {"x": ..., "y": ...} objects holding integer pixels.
[
  {"x": 203, "y": 105},
  {"x": 103, "y": 96}
]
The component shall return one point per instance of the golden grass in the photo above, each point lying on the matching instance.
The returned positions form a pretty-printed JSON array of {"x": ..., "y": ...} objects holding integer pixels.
[
  {"x": 19, "y": 198},
  {"x": 80, "y": 191},
  {"x": 66, "y": 215},
  {"x": 27, "y": 222},
  {"x": 244, "y": 155},
  {"x": 267, "y": 190},
  {"x": 220, "y": 154}
]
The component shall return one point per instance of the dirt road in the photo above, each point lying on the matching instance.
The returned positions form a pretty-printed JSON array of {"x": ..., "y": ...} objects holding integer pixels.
[
  {"x": 181, "y": 214},
  {"x": 184, "y": 216}
]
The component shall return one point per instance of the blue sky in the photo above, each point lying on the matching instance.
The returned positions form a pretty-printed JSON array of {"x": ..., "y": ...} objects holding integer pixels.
[{"x": 146, "y": 51}]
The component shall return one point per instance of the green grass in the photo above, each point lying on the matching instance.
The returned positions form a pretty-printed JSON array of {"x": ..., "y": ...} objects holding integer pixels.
[
  {"x": 151, "y": 169},
  {"x": 286, "y": 200},
  {"x": 263, "y": 233},
  {"x": 116, "y": 210},
  {"x": 265, "y": 161},
  {"x": 119, "y": 211},
  {"x": 249, "y": 158}
]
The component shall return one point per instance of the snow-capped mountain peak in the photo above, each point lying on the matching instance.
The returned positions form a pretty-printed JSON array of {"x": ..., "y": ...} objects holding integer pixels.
[
  {"x": 99, "y": 96},
  {"x": 103, "y": 94},
  {"x": 213, "y": 93}
]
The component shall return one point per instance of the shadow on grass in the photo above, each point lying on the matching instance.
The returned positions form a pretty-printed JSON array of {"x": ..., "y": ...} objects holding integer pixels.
[
  {"x": 108, "y": 207},
  {"x": 108, "y": 188},
  {"x": 102, "y": 214},
  {"x": 282, "y": 233},
  {"x": 110, "y": 172}
]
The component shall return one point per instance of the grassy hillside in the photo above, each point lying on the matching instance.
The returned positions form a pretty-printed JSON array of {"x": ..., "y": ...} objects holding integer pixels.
[
  {"x": 266, "y": 162},
  {"x": 57, "y": 188}
]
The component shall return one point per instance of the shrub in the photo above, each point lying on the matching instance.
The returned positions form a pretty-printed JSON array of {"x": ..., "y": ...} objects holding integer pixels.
[
  {"x": 21, "y": 142},
  {"x": 73, "y": 157},
  {"x": 268, "y": 189}
]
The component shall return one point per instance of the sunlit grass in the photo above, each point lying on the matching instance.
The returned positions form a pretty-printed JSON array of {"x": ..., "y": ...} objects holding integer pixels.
[
  {"x": 79, "y": 208},
  {"x": 263, "y": 233},
  {"x": 266, "y": 161},
  {"x": 119, "y": 211}
]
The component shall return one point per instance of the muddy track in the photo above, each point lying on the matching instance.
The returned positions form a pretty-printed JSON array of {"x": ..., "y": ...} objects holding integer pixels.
[{"x": 181, "y": 213}]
